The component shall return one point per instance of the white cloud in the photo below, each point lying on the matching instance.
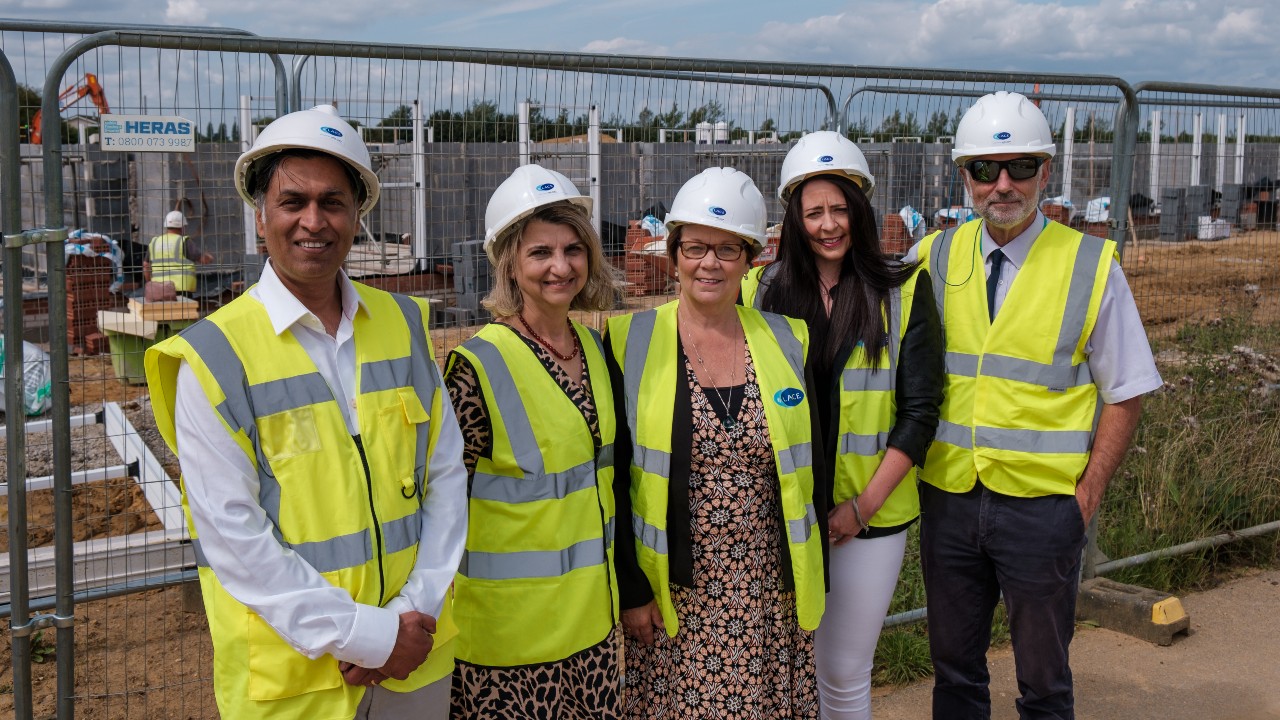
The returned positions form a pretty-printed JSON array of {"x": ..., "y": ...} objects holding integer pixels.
[
  {"x": 625, "y": 46},
  {"x": 186, "y": 12}
]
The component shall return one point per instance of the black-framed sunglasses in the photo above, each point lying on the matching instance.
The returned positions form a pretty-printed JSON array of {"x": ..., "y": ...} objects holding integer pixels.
[
  {"x": 727, "y": 252},
  {"x": 988, "y": 171}
]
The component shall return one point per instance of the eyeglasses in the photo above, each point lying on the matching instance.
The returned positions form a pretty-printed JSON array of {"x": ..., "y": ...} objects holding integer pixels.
[
  {"x": 988, "y": 171},
  {"x": 728, "y": 252}
]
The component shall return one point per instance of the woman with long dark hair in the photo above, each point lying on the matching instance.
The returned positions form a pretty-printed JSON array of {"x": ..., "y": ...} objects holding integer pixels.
[{"x": 878, "y": 367}]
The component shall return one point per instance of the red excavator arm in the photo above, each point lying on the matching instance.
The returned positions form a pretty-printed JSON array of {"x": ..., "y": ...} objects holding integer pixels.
[{"x": 72, "y": 95}]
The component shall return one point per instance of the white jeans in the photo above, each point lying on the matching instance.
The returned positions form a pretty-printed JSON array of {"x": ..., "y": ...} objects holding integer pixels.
[{"x": 864, "y": 574}]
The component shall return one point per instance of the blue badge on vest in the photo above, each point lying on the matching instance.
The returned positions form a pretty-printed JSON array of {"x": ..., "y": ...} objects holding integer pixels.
[{"x": 789, "y": 397}]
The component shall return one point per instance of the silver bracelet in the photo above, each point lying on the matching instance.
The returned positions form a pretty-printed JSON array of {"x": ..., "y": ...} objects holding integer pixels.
[{"x": 862, "y": 524}]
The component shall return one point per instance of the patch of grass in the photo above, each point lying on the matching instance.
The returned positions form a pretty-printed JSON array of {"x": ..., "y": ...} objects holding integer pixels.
[
  {"x": 42, "y": 648},
  {"x": 1205, "y": 461},
  {"x": 902, "y": 656}
]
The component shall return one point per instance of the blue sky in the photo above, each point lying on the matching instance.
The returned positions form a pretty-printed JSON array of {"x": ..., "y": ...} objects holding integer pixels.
[{"x": 1203, "y": 41}]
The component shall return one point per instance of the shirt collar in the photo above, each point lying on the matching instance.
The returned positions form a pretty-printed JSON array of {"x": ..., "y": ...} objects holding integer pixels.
[
  {"x": 1016, "y": 250},
  {"x": 285, "y": 310}
]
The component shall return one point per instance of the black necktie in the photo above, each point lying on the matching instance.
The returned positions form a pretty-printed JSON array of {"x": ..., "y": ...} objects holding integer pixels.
[{"x": 993, "y": 281}]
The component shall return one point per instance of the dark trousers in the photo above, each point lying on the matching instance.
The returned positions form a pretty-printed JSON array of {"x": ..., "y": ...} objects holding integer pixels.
[{"x": 975, "y": 546}]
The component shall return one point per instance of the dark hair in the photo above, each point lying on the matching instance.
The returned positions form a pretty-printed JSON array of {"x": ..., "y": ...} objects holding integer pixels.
[
  {"x": 260, "y": 174},
  {"x": 860, "y": 300}
]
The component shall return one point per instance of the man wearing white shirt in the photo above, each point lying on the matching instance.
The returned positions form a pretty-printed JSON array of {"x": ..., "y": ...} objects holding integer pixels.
[
  {"x": 1046, "y": 364},
  {"x": 321, "y": 461}
]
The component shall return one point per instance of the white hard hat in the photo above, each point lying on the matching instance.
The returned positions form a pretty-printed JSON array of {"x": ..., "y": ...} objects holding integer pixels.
[
  {"x": 529, "y": 188},
  {"x": 721, "y": 198},
  {"x": 1002, "y": 123},
  {"x": 175, "y": 219},
  {"x": 824, "y": 153},
  {"x": 319, "y": 128}
]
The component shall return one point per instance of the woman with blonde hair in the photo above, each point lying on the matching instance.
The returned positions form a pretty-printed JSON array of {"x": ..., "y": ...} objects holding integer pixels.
[
  {"x": 536, "y": 599},
  {"x": 720, "y": 528}
]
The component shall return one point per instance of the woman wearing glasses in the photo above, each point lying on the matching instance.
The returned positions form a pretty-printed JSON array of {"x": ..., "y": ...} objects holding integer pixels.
[
  {"x": 536, "y": 600},
  {"x": 878, "y": 408},
  {"x": 720, "y": 532}
]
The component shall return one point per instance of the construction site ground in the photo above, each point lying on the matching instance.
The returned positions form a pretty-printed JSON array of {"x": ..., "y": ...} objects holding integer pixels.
[{"x": 148, "y": 655}]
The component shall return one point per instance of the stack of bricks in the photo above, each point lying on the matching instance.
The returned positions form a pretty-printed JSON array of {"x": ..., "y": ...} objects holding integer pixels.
[
  {"x": 644, "y": 272},
  {"x": 88, "y": 291},
  {"x": 894, "y": 239}
]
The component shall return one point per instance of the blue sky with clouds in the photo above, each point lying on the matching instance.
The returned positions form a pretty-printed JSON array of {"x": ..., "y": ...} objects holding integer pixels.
[{"x": 1203, "y": 41}]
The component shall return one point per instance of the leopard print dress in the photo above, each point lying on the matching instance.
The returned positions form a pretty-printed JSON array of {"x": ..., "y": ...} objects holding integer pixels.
[
  {"x": 583, "y": 686},
  {"x": 740, "y": 652}
]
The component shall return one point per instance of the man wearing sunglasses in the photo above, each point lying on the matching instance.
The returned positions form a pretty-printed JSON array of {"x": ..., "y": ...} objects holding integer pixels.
[{"x": 1046, "y": 362}]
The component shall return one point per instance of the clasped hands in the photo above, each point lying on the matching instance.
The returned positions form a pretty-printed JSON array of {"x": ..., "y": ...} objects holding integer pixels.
[{"x": 413, "y": 643}]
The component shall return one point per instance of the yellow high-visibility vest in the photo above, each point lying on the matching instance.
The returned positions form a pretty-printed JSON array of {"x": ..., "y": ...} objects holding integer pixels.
[
  {"x": 1020, "y": 407},
  {"x": 169, "y": 262},
  {"x": 867, "y": 410},
  {"x": 536, "y": 584},
  {"x": 359, "y": 529},
  {"x": 644, "y": 345}
]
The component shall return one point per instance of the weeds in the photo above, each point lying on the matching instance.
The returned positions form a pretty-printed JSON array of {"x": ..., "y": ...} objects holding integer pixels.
[
  {"x": 1205, "y": 461},
  {"x": 42, "y": 649}
]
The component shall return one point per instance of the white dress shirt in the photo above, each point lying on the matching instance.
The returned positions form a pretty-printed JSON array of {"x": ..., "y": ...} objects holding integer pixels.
[
  {"x": 312, "y": 615},
  {"x": 1120, "y": 358}
]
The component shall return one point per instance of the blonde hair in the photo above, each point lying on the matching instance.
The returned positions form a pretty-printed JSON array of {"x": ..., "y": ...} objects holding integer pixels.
[{"x": 603, "y": 288}]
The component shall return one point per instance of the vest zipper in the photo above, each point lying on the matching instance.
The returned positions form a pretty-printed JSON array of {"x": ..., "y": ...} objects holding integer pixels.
[{"x": 377, "y": 524}]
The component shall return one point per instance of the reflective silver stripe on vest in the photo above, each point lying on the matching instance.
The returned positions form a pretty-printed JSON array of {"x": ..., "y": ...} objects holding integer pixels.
[
  {"x": 863, "y": 379},
  {"x": 796, "y": 457},
  {"x": 344, "y": 551},
  {"x": 954, "y": 434},
  {"x": 1035, "y": 441},
  {"x": 604, "y": 456},
  {"x": 650, "y": 536},
  {"x": 764, "y": 281},
  {"x": 201, "y": 560},
  {"x": 895, "y": 332},
  {"x": 639, "y": 336},
  {"x": 657, "y": 462},
  {"x": 537, "y": 483},
  {"x": 402, "y": 534},
  {"x": 211, "y": 344},
  {"x": 426, "y": 381},
  {"x": 291, "y": 393},
  {"x": 866, "y": 445},
  {"x": 958, "y": 363},
  {"x": 1054, "y": 377},
  {"x": 939, "y": 266},
  {"x": 387, "y": 374},
  {"x": 801, "y": 529},
  {"x": 792, "y": 350},
  {"x": 532, "y": 487},
  {"x": 532, "y": 563}
]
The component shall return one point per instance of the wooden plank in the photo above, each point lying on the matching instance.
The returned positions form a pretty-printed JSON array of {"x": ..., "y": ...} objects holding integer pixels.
[
  {"x": 156, "y": 485},
  {"x": 180, "y": 309},
  {"x": 106, "y": 561}
]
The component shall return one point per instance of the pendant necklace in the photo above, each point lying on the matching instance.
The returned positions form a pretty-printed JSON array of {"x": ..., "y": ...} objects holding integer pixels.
[
  {"x": 547, "y": 345},
  {"x": 733, "y": 428}
]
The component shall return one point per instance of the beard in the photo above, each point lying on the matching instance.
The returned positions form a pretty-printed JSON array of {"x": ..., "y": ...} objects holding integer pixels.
[{"x": 1019, "y": 208}]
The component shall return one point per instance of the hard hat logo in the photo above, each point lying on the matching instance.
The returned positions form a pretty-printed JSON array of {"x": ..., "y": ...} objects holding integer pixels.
[
  {"x": 717, "y": 211},
  {"x": 826, "y": 159},
  {"x": 546, "y": 187},
  {"x": 332, "y": 131},
  {"x": 1002, "y": 136}
]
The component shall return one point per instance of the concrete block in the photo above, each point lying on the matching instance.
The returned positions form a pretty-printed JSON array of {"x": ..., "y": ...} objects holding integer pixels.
[{"x": 1141, "y": 612}]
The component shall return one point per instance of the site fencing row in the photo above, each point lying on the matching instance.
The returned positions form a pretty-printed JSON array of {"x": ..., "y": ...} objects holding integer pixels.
[{"x": 446, "y": 125}]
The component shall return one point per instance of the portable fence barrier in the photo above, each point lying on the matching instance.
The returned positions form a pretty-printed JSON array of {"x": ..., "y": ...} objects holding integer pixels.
[{"x": 445, "y": 126}]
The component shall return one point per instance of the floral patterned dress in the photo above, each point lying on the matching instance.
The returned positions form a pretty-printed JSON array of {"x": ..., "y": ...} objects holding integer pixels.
[
  {"x": 740, "y": 652},
  {"x": 583, "y": 686}
]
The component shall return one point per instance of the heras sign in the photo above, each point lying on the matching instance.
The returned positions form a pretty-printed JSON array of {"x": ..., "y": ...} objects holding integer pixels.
[{"x": 147, "y": 133}]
